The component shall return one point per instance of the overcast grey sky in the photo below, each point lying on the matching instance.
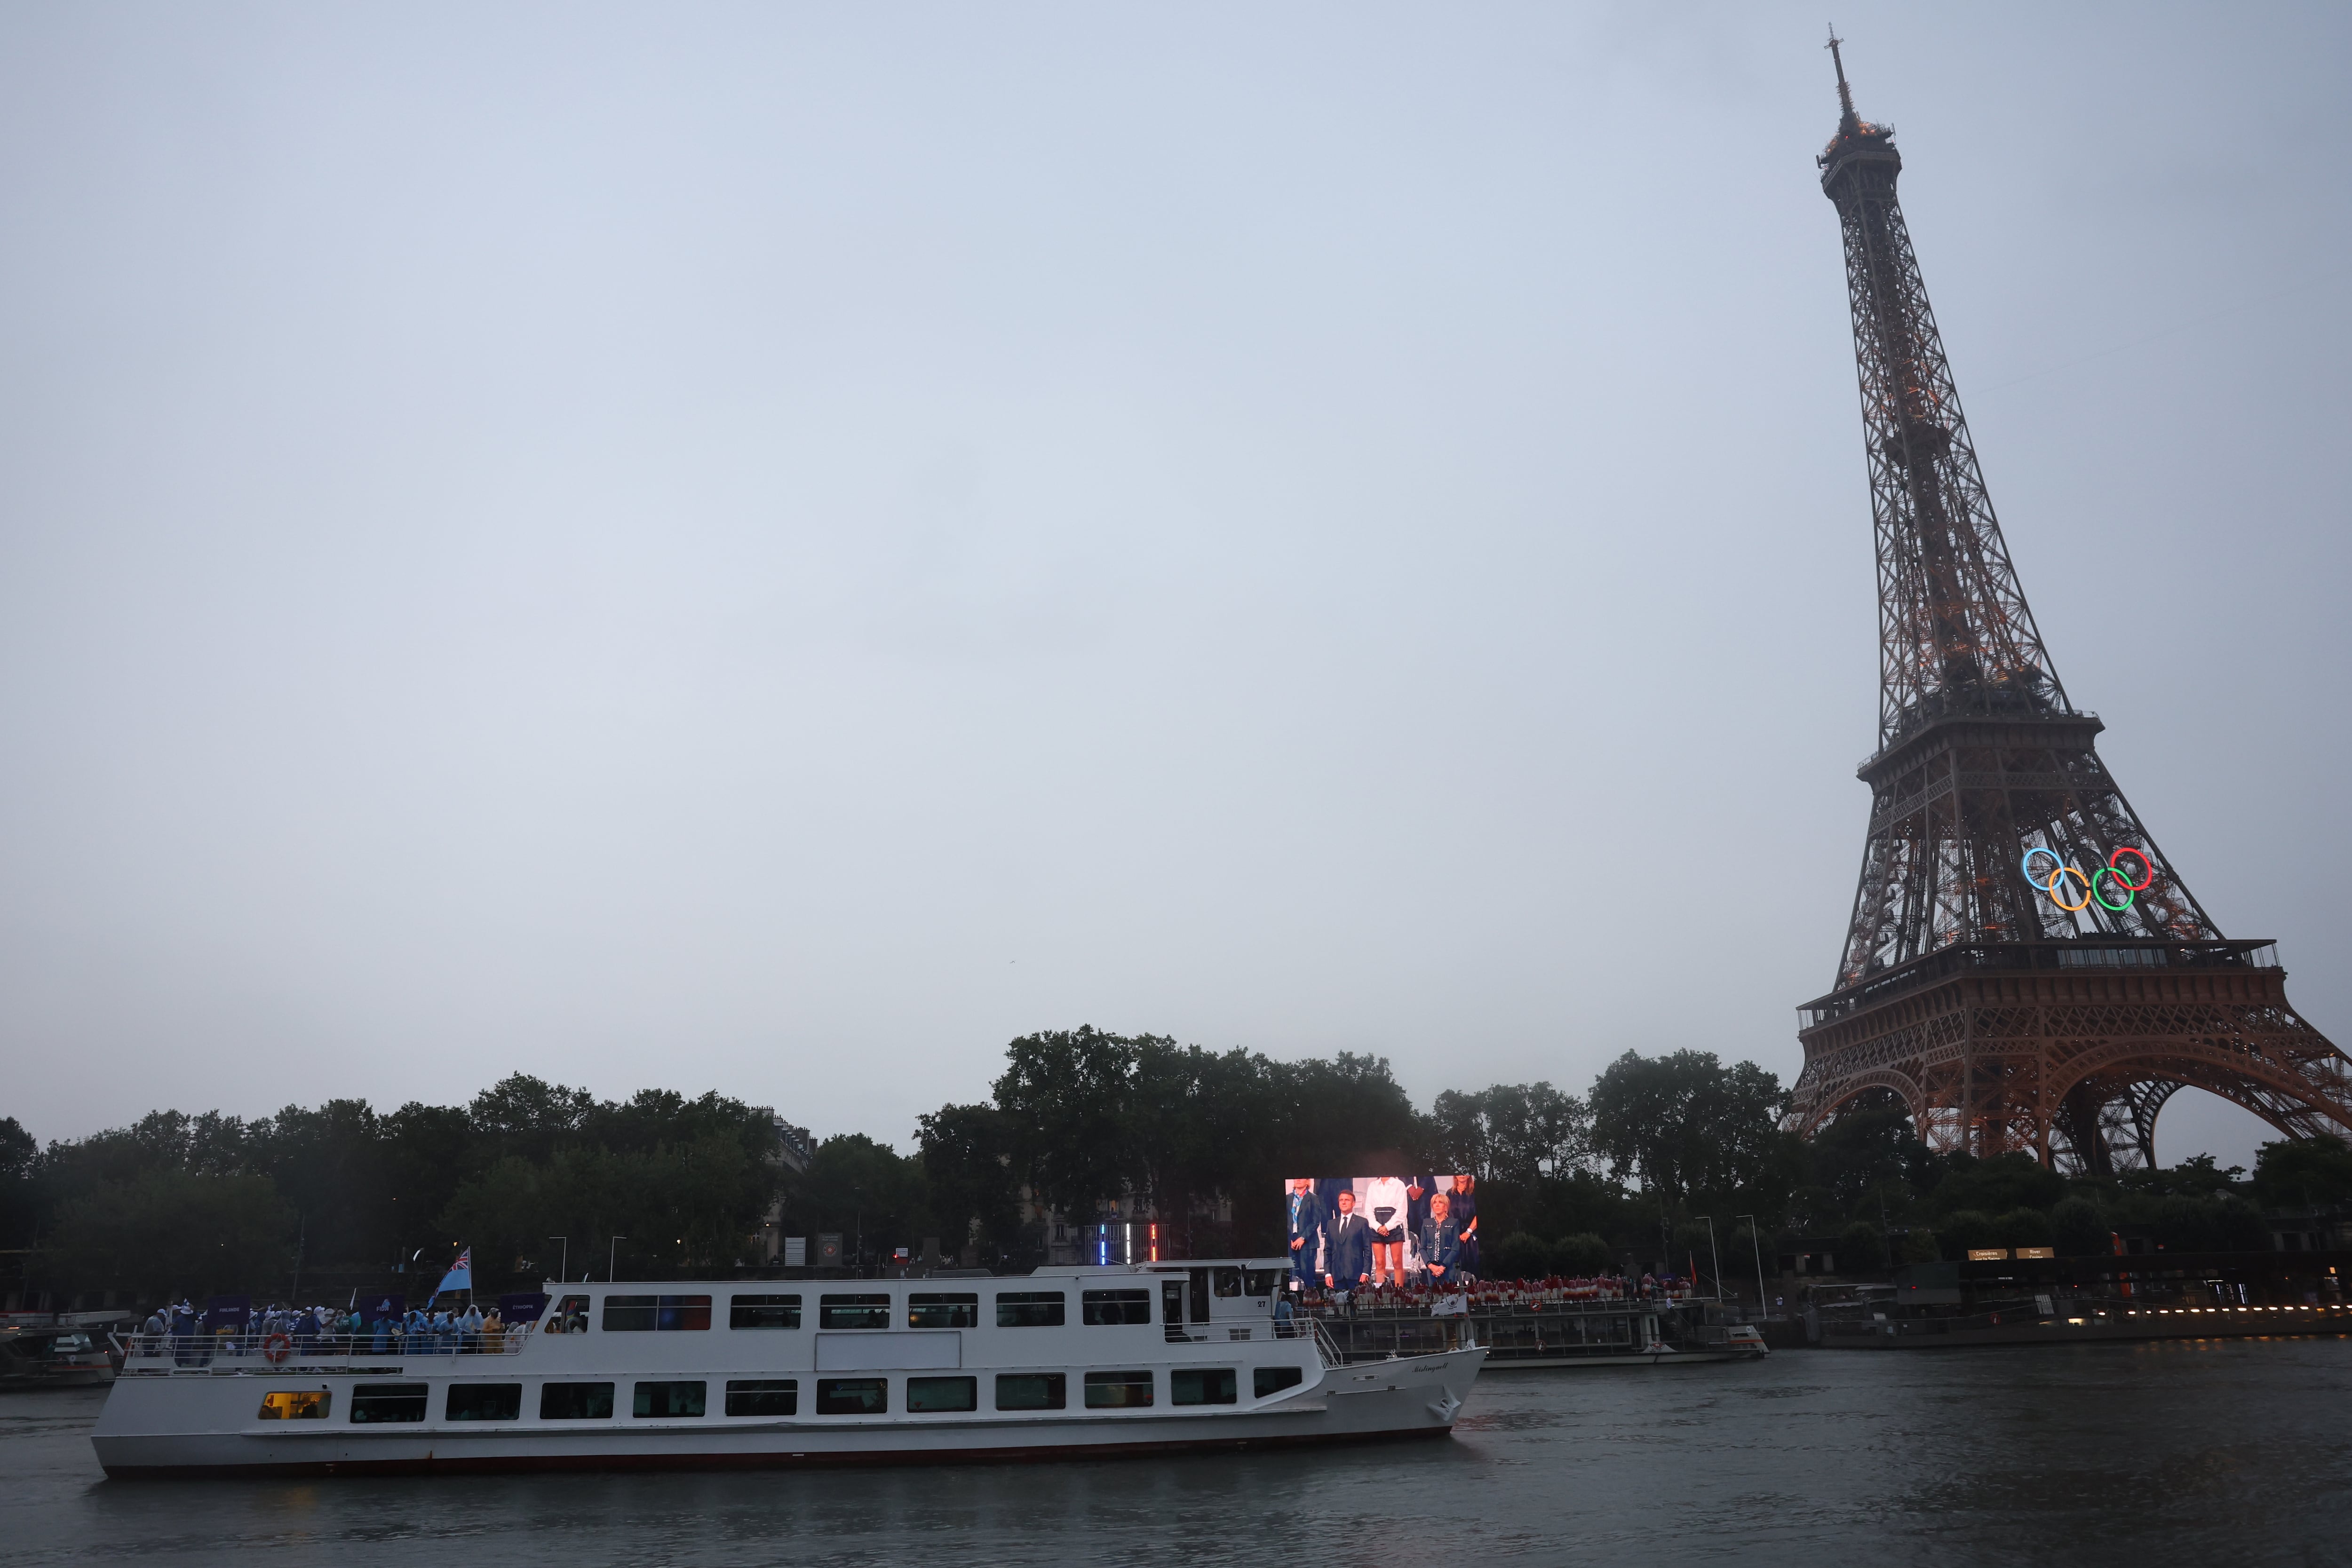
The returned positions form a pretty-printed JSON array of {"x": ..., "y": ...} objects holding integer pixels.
[{"x": 776, "y": 547}]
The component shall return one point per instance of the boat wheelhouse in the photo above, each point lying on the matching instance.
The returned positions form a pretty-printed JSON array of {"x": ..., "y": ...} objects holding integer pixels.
[{"x": 700, "y": 1374}]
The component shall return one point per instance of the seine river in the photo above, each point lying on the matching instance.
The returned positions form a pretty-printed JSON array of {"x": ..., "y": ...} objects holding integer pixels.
[{"x": 2214, "y": 1452}]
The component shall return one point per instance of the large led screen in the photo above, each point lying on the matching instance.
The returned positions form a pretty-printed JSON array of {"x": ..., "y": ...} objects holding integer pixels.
[{"x": 1353, "y": 1233}]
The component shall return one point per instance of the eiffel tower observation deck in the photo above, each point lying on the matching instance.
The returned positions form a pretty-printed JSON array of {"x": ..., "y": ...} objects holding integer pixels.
[{"x": 2025, "y": 969}]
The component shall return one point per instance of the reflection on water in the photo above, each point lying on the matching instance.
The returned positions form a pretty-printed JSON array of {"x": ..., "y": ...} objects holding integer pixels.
[{"x": 2211, "y": 1451}]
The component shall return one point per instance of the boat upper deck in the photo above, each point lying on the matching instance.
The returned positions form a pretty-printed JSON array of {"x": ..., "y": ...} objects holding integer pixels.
[{"x": 1176, "y": 1312}]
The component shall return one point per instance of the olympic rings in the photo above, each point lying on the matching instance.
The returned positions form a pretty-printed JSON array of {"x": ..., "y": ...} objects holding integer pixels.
[{"x": 2111, "y": 872}]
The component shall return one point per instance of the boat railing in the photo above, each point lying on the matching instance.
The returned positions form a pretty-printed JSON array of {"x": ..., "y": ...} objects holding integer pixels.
[{"x": 265, "y": 1348}]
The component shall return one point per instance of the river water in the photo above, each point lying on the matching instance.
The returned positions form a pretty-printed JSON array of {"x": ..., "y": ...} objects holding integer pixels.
[{"x": 2204, "y": 1452}]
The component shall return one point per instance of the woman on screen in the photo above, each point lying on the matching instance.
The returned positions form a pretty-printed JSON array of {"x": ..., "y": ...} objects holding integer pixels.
[{"x": 1383, "y": 1206}]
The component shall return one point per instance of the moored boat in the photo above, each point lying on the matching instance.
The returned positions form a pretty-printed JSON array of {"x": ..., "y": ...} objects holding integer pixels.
[{"x": 1125, "y": 1359}]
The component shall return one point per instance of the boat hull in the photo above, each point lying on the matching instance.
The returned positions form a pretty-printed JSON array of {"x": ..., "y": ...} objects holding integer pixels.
[{"x": 146, "y": 1432}]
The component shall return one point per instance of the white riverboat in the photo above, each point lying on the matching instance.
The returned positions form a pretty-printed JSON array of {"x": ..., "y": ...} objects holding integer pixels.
[{"x": 1143, "y": 1358}]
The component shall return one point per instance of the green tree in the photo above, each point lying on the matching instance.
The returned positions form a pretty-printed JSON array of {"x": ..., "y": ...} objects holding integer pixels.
[
  {"x": 329, "y": 1162},
  {"x": 1694, "y": 1131},
  {"x": 1582, "y": 1253},
  {"x": 2077, "y": 1229},
  {"x": 1867, "y": 1150},
  {"x": 1968, "y": 1228},
  {"x": 873, "y": 1197},
  {"x": 1516, "y": 1133},
  {"x": 967, "y": 1154},
  {"x": 680, "y": 1208},
  {"x": 2304, "y": 1173},
  {"x": 529, "y": 1118},
  {"x": 20, "y": 1155},
  {"x": 1861, "y": 1249},
  {"x": 1066, "y": 1094},
  {"x": 2195, "y": 1176},
  {"x": 427, "y": 1152},
  {"x": 172, "y": 1231},
  {"x": 1997, "y": 1186},
  {"x": 1519, "y": 1255}
]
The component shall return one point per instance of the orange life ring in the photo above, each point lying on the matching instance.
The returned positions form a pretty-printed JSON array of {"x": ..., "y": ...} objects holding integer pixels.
[{"x": 275, "y": 1347}]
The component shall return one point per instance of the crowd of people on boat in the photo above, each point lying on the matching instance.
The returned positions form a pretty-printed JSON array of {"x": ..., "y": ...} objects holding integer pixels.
[
  {"x": 1442, "y": 1300},
  {"x": 387, "y": 1327}
]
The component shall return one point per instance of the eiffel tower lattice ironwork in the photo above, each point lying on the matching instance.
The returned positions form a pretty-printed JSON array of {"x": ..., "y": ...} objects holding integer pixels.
[{"x": 2024, "y": 971}]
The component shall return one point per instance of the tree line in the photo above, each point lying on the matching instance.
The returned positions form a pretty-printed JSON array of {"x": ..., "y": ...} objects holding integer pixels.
[{"x": 1660, "y": 1163}]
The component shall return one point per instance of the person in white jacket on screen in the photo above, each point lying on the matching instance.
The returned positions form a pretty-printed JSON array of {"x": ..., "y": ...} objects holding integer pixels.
[{"x": 1382, "y": 1202}]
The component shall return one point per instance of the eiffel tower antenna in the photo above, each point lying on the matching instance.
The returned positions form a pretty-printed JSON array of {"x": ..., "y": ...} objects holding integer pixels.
[
  {"x": 1847, "y": 118},
  {"x": 2025, "y": 969}
]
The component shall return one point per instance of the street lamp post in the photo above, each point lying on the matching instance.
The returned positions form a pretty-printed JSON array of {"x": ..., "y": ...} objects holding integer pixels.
[
  {"x": 563, "y": 1269},
  {"x": 1758, "y": 1238}
]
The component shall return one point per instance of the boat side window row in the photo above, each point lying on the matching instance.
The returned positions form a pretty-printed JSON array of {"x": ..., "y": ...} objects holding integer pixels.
[
  {"x": 855, "y": 1310},
  {"x": 672, "y": 1399}
]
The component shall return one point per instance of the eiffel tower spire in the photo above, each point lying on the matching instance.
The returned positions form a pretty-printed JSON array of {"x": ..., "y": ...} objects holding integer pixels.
[{"x": 1998, "y": 842}]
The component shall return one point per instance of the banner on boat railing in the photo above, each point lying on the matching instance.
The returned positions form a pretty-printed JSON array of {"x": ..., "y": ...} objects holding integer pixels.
[{"x": 1350, "y": 1233}]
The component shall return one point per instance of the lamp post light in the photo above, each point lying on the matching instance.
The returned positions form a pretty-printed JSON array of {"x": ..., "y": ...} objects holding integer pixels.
[
  {"x": 1758, "y": 1238},
  {"x": 563, "y": 1269},
  {"x": 613, "y": 1262}
]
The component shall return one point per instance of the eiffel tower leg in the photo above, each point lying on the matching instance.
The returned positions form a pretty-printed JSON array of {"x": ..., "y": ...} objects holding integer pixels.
[{"x": 2084, "y": 1119}]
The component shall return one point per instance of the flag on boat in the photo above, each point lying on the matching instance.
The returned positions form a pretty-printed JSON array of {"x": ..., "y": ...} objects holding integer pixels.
[{"x": 460, "y": 1276}]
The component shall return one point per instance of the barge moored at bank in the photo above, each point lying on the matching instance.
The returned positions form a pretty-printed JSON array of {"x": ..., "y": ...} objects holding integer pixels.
[{"x": 1126, "y": 1359}]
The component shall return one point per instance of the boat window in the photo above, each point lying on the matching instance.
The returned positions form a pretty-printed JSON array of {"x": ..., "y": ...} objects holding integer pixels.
[
  {"x": 372, "y": 1402},
  {"x": 853, "y": 1312},
  {"x": 1263, "y": 1282},
  {"x": 570, "y": 1316},
  {"x": 639, "y": 1314},
  {"x": 483, "y": 1402},
  {"x": 937, "y": 1311},
  {"x": 1032, "y": 1390},
  {"x": 682, "y": 1312},
  {"x": 1229, "y": 1281},
  {"x": 575, "y": 1402},
  {"x": 935, "y": 1393},
  {"x": 853, "y": 1395},
  {"x": 665, "y": 1399},
  {"x": 1115, "y": 1306},
  {"x": 1117, "y": 1390},
  {"x": 629, "y": 1314},
  {"x": 1030, "y": 1308},
  {"x": 1267, "y": 1380},
  {"x": 764, "y": 1397},
  {"x": 763, "y": 1311},
  {"x": 296, "y": 1404},
  {"x": 1201, "y": 1385}
]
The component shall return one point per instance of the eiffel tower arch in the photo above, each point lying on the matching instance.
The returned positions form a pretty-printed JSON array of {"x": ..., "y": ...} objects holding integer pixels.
[{"x": 2024, "y": 968}]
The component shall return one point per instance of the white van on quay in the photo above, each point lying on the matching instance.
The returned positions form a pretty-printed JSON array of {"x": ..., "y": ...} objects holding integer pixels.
[{"x": 1127, "y": 1358}]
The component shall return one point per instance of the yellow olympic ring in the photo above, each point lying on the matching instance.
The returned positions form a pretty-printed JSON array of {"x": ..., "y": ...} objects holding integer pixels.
[{"x": 2052, "y": 889}]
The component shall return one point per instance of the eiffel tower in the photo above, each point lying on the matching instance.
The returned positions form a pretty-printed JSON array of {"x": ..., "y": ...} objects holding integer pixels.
[{"x": 2025, "y": 970}]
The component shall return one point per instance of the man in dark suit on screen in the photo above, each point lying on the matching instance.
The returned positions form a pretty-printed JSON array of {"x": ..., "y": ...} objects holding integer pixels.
[
  {"x": 1307, "y": 1218},
  {"x": 1347, "y": 1247}
]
